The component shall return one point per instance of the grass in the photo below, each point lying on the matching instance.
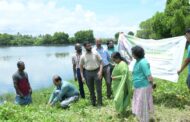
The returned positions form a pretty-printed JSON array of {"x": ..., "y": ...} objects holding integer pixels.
[
  {"x": 172, "y": 104},
  {"x": 38, "y": 111}
]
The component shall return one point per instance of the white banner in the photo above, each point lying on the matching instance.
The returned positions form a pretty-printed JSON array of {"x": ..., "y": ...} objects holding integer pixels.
[{"x": 165, "y": 56}]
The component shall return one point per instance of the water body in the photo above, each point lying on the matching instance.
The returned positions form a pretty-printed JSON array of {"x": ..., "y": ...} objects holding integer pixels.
[{"x": 41, "y": 63}]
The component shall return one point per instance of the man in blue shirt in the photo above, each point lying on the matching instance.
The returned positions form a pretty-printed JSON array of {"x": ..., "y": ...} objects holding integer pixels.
[
  {"x": 64, "y": 92},
  {"x": 106, "y": 65},
  {"x": 187, "y": 60}
]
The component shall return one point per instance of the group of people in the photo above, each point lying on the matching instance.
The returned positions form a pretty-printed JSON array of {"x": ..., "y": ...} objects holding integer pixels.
[
  {"x": 99, "y": 63},
  {"x": 65, "y": 92},
  {"x": 94, "y": 65}
]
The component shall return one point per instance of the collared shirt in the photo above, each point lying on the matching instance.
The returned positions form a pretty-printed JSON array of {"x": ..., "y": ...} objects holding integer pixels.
[
  {"x": 111, "y": 50},
  {"x": 104, "y": 54},
  {"x": 76, "y": 60},
  {"x": 66, "y": 90},
  {"x": 90, "y": 61},
  {"x": 21, "y": 78},
  {"x": 141, "y": 72}
]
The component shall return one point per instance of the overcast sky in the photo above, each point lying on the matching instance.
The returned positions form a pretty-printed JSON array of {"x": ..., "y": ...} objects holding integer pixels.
[{"x": 105, "y": 17}]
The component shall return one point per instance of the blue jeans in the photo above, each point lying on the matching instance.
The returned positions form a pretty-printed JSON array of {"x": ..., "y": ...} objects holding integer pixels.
[
  {"x": 66, "y": 102},
  {"x": 23, "y": 100}
]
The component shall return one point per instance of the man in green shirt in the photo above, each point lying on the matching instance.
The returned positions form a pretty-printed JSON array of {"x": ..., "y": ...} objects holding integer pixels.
[
  {"x": 110, "y": 47},
  {"x": 64, "y": 92}
]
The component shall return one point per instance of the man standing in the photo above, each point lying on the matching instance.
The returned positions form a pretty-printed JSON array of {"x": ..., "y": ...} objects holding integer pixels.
[
  {"x": 76, "y": 68},
  {"x": 92, "y": 63},
  {"x": 22, "y": 85},
  {"x": 106, "y": 65},
  {"x": 64, "y": 92},
  {"x": 110, "y": 47},
  {"x": 187, "y": 60}
]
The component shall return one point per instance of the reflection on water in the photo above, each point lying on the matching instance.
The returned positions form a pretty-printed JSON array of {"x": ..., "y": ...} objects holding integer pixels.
[
  {"x": 41, "y": 64},
  {"x": 58, "y": 55},
  {"x": 48, "y": 55},
  {"x": 61, "y": 55},
  {"x": 5, "y": 58}
]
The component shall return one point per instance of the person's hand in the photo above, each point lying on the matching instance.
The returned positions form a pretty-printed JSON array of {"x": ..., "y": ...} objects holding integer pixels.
[
  {"x": 30, "y": 91},
  {"x": 21, "y": 95},
  {"x": 178, "y": 72},
  {"x": 153, "y": 84},
  {"x": 83, "y": 79},
  {"x": 113, "y": 78},
  {"x": 100, "y": 75}
]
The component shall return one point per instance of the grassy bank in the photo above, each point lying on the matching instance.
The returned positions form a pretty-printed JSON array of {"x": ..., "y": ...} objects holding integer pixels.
[{"x": 172, "y": 104}]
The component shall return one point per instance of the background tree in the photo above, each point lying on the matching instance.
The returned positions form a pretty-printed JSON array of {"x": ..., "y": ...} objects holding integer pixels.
[
  {"x": 5, "y": 39},
  {"x": 178, "y": 24},
  {"x": 117, "y": 35},
  {"x": 60, "y": 38},
  {"x": 85, "y": 35},
  {"x": 47, "y": 39},
  {"x": 72, "y": 40},
  {"x": 146, "y": 29},
  {"x": 172, "y": 22},
  {"x": 131, "y": 33}
]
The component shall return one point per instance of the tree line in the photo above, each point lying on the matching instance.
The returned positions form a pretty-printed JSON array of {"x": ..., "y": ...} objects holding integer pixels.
[
  {"x": 173, "y": 21},
  {"x": 57, "y": 38}
]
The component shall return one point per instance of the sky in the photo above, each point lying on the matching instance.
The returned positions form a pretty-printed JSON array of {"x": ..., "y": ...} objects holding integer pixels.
[{"x": 104, "y": 17}]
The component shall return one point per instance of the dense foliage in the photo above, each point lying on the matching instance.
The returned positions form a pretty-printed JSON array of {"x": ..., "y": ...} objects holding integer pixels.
[
  {"x": 172, "y": 22},
  {"x": 83, "y": 36},
  {"x": 47, "y": 39}
]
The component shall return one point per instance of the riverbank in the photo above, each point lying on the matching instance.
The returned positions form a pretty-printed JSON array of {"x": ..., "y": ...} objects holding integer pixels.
[{"x": 172, "y": 104}]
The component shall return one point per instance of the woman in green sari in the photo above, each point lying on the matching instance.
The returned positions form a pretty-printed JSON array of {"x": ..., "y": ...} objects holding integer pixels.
[{"x": 121, "y": 85}]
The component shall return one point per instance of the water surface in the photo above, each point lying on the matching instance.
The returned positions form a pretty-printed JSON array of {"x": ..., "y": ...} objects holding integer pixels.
[{"x": 41, "y": 63}]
